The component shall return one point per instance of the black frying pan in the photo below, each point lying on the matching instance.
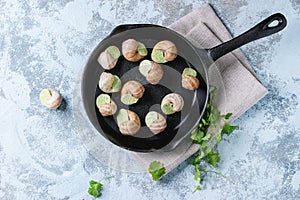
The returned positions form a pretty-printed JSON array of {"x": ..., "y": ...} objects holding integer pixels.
[{"x": 179, "y": 124}]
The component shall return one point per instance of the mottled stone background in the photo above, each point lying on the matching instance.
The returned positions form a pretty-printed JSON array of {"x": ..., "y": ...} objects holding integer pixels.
[{"x": 44, "y": 43}]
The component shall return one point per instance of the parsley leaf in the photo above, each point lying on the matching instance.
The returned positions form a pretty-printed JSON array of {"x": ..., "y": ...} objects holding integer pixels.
[
  {"x": 197, "y": 135},
  {"x": 198, "y": 187},
  {"x": 213, "y": 158},
  {"x": 228, "y": 115},
  {"x": 96, "y": 187},
  {"x": 157, "y": 170},
  {"x": 227, "y": 128}
]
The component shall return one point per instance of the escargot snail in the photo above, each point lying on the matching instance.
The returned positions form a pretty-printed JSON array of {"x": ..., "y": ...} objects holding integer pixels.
[
  {"x": 50, "y": 98},
  {"x": 151, "y": 70},
  {"x": 164, "y": 51},
  {"x": 133, "y": 50},
  {"x": 108, "y": 58},
  {"x": 189, "y": 79},
  {"x": 106, "y": 105},
  {"x": 109, "y": 83},
  {"x": 155, "y": 122},
  {"x": 172, "y": 103},
  {"x": 129, "y": 122},
  {"x": 131, "y": 92}
]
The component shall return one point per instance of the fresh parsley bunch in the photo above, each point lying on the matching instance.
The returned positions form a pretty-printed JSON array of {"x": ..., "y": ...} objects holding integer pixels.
[{"x": 209, "y": 133}]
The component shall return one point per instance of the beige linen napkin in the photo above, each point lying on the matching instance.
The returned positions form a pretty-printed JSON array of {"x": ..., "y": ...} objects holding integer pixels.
[{"x": 204, "y": 29}]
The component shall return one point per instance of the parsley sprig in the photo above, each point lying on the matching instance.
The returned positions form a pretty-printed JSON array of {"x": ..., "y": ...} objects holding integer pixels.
[
  {"x": 209, "y": 133},
  {"x": 213, "y": 125},
  {"x": 96, "y": 187},
  {"x": 157, "y": 170}
]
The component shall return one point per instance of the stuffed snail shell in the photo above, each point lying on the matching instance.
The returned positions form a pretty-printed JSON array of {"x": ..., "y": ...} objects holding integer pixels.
[
  {"x": 109, "y": 58},
  {"x": 131, "y": 92},
  {"x": 129, "y": 122},
  {"x": 189, "y": 79},
  {"x": 164, "y": 51},
  {"x": 109, "y": 83},
  {"x": 172, "y": 103},
  {"x": 50, "y": 98},
  {"x": 133, "y": 50},
  {"x": 106, "y": 105},
  {"x": 155, "y": 122},
  {"x": 152, "y": 71}
]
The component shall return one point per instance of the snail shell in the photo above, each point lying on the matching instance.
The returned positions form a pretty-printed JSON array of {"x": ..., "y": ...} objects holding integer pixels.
[
  {"x": 190, "y": 82},
  {"x": 155, "y": 73},
  {"x": 133, "y": 50},
  {"x": 106, "y": 82},
  {"x": 132, "y": 125},
  {"x": 134, "y": 88},
  {"x": 108, "y": 59},
  {"x": 189, "y": 79},
  {"x": 175, "y": 100},
  {"x": 158, "y": 122},
  {"x": 108, "y": 109},
  {"x": 106, "y": 105},
  {"x": 53, "y": 99},
  {"x": 169, "y": 51}
]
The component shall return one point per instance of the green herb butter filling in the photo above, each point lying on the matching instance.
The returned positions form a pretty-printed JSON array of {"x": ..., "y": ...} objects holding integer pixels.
[
  {"x": 116, "y": 85},
  {"x": 142, "y": 50},
  {"x": 151, "y": 117},
  {"x": 45, "y": 95},
  {"x": 122, "y": 116},
  {"x": 127, "y": 99},
  {"x": 114, "y": 52},
  {"x": 158, "y": 56},
  {"x": 102, "y": 99},
  {"x": 189, "y": 72},
  {"x": 145, "y": 67},
  {"x": 167, "y": 109}
]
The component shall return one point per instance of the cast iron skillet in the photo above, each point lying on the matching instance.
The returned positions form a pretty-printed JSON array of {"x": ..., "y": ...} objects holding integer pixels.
[{"x": 181, "y": 123}]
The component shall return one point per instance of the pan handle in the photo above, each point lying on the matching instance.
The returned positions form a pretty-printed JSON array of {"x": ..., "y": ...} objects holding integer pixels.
[{"x": 261, "y": 30}]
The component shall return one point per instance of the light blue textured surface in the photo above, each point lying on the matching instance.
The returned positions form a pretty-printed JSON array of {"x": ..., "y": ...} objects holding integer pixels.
[{"x": 44, "y": 43}]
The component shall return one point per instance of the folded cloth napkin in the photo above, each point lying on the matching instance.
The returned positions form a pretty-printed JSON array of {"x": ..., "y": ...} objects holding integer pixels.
[{"x": 203, "y": 29}]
